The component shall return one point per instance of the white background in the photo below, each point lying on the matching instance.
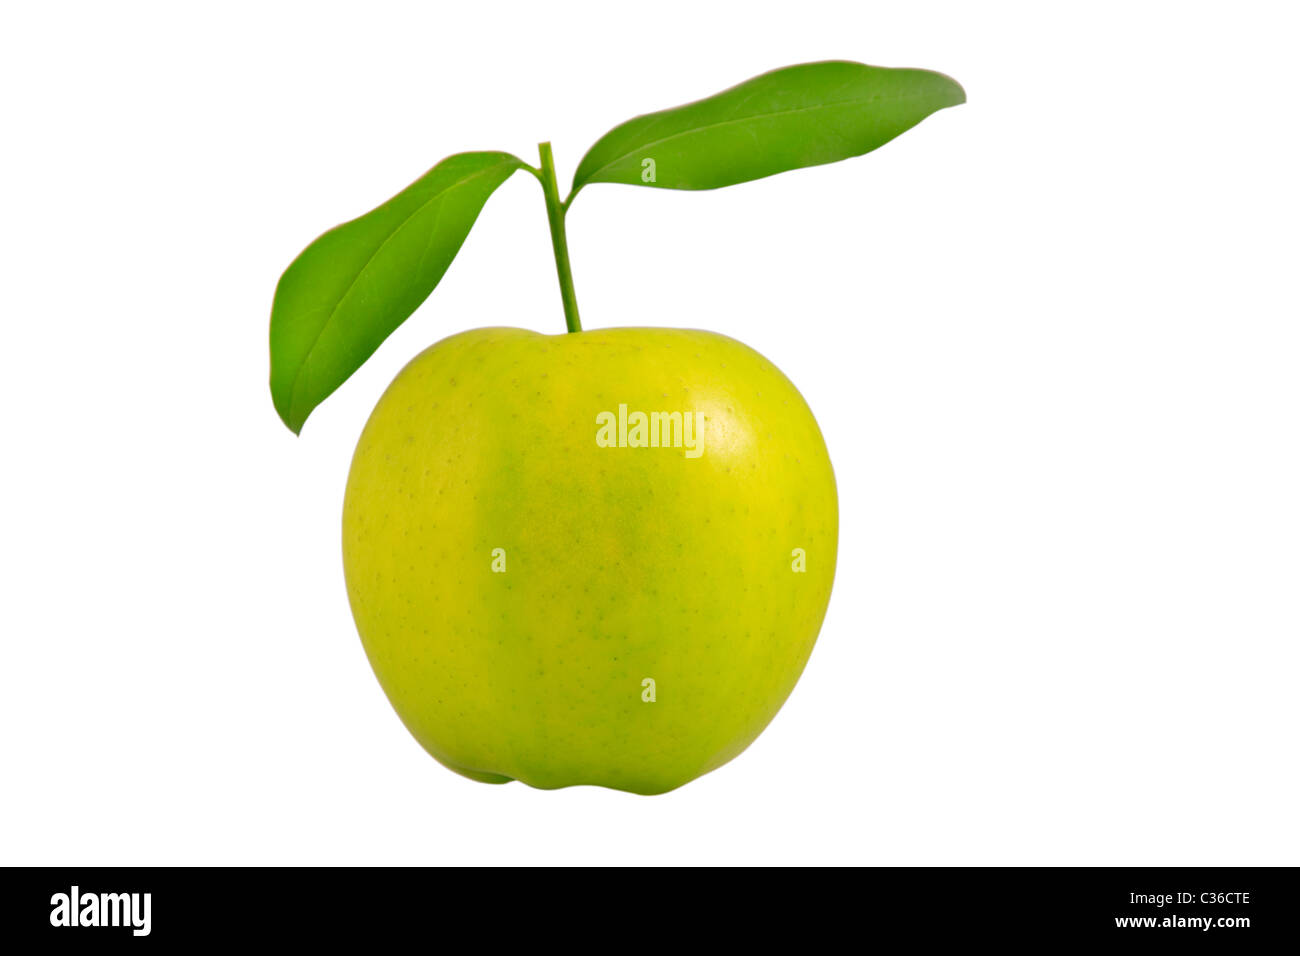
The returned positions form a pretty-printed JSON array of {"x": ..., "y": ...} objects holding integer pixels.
[{"x": 1050, "y": 336}]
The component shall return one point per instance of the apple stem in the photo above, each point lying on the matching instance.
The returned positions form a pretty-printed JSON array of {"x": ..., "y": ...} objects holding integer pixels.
[{"x": 559, "y": 240}]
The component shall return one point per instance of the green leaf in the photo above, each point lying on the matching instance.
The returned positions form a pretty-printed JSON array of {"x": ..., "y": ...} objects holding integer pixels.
[
  {"x": 797, "y": 116},
  {"x": 348, "y": 290}
]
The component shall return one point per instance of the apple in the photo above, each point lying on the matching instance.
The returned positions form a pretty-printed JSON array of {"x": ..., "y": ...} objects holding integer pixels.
[
  {"x": 603, "y": 557},
  {"x": 600, "y": 557}
]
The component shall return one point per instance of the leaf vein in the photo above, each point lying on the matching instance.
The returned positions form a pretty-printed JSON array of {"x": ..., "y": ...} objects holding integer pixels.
[{"x": 743, "y": 119}]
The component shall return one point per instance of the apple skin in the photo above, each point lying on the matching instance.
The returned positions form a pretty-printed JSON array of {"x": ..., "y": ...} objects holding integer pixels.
[{"x": 621, "y": 563}]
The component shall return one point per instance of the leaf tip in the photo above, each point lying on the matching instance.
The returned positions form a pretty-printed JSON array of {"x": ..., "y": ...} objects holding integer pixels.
[
  {"x": 956, "y": 92},
  {"x": 284, "y": 410}
]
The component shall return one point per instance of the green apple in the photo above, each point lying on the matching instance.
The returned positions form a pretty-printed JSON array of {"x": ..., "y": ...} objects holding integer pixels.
[{"x": 599, "y": 557}]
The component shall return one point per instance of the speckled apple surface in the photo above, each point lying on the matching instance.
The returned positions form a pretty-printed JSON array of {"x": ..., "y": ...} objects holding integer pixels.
[{"x": 622, "y": 564}]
